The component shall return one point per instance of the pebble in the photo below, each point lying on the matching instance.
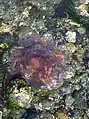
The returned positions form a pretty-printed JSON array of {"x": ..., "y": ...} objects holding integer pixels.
[
  {"x": 71, "y": 36},
  {"x": 69, "y": 100},
  {"x": 70, "y": 47}
]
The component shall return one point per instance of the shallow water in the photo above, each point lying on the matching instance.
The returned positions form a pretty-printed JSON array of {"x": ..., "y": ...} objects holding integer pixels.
[{"x": 65, "y": 24}]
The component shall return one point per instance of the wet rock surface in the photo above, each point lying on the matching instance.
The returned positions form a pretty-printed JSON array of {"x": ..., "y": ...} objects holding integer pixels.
[{"x": 66, "y": 24}]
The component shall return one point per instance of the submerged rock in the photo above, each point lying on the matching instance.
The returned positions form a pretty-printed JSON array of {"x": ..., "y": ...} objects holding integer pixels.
[{"x": 31, "y": 113}]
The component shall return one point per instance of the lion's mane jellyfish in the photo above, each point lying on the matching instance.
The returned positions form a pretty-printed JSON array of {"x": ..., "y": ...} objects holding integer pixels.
[{"x": 39, "y": 62}]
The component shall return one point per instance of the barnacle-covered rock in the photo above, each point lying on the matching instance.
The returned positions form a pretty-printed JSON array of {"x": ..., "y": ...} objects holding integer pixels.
[
  {"x": 61, "y": 115},
  {"x": 71, "y": 36},
  {"x": 16, "y": 97},
  {"x": 71, "y": 47},
  {"x": 39, "y": 62}
]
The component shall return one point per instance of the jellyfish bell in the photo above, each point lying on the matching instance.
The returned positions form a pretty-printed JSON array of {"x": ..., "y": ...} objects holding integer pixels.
[{"x": 38, "y": 63}]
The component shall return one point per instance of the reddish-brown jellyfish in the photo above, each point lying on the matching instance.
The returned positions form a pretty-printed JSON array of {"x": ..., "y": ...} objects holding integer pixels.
[{"x": 39, "y": 62}]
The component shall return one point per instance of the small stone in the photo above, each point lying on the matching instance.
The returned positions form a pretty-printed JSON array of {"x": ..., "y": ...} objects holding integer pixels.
[
  {"x": 70, "y": 88},
  {"x": 84, "y": 13},
  {"x": 79, "y": 54},
  {"x": 83, "y": 7},
  {"x": 81, "y": 30},
  {"x": 31, "y": 113},
  {"x": 8, "y": 27},
  {"x": 25, "y": 13},
  {"x": 47, "y": 36},
  {"x": 46, "y": 104},
  {"x": 71, "y": 36},
  {"x": 70, "y": 47},
  {"x": 25, "y": 31},
  {"x": 47, "y": 115},
  {"x": 18, "y": 97},
  {"x": 61, "y": 115},
  {"x": 69, "y": 100},
  {"x": 5, "y": 112},
  {"x": 80, "y": 101},
  {"x": 0, "y": 114},
  {"x": 5, "y": 37},
  {"x": 70, "y": 73}
]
